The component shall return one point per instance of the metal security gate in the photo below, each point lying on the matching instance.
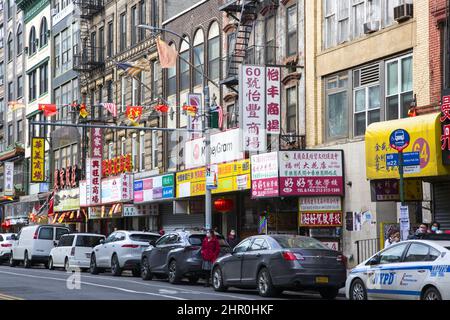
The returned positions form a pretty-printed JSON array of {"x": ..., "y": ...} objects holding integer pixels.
[
  {"x": 441, "y": 204},
  {"x": 170, "y": 221}
]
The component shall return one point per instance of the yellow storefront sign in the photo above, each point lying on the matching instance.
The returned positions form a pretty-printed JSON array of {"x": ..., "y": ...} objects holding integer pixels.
[
  {"x": 425, "y": 133},
  {"x": 232, "y": 176},
  {"x": 37, "y": 160}
]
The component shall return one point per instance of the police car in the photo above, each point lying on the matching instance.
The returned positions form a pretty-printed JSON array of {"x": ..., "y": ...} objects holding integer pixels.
[{"x": 409, "y": 270}]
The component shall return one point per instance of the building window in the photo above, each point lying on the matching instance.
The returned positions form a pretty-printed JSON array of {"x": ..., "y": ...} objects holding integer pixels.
[
  {"x": 389, "y": 11},
  {"x": 134, "y": 92},
  {"x": 110, "y": 150},
  {"x": 57, "y": 55},
  {"x": 184, "y": 67},
  {"x": 134, "y": 19},
  {"x": 134, "y": 151},
  {"x": 336, "y": 89},
  {"x": 214, "y": 51},
  {"x": 399, "y": 87},
  {"x": 10, "y": 8},
  {"x": 142, "y": 19},
  {"x": 101, "y": 44},
  {"x": 270, "y": 40},
  {"x": 343, "y": 26},
  {"x": 19, "y": 131},
  {"x": 155, "y": 149},
  {"x": 155, "y": 13},
  {"x": 19, "y": 39},
  {"x": 330, "y": 23},
  {"x": 43, "y": 79},
  {"x": 172, "y": 79},
  {"x": 10, "y": 134},
  {"x": 292, "y": 40},
  {"x": 2, "y": 34},
  {"x": 155, "y": 83},
  {"x": 358, "y": 18},
  {"x": 65, "y": 48},
  {"x": 109, "y": 88},
  {"x": 142, "y": 87},
  {"x": 43, "y": 33},
  {"x": 10, "y": 47},
  {"x": 2, "y": 73},
  {"x": 32, "y": 85},
  {"x": 110, "y": 39},
  {"x": 10, "y": 91},
  {"x": 232, "y": 116},
  {"x": 123, "y": 146},
  {"x": 123, "y": 31},
  {"x": 19, "y": 87},
  {"x": 199, "y": 52},
  {"x": 291, "y": 110},
  {"x": 142, "y": 151},
  {"x": 123, "y": 93},
  {"x": 94, "y": 45}
]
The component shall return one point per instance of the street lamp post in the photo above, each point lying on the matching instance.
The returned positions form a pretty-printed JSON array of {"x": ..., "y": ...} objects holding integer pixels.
[{"x": 208, "y": 201}]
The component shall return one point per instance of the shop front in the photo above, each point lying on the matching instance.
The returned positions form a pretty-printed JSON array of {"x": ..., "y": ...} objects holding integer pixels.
[{"x": 431, "y": 174}]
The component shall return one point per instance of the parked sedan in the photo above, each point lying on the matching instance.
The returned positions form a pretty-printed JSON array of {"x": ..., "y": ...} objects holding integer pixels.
[
  {"x": 275, "y": 263},
  {"x": 74, "y": 250},
  {"x": 122, "y": 250},
  {"x": 177, "y": 255},
  {"x": 6, "y": 243}
]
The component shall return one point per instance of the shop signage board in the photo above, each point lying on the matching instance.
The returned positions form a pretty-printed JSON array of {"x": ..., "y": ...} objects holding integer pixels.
[
  {"x": 130, "y": 210},
  {"x": 409, "y": 159},
  {"x": 117, "y": 165},
  {"x": 273, "y": 99},
  {"x": 389, "y": 190},
  {"x": 117, "y": 189},
  {"x": 445, "y": 126},
  {"x": 154, "y": 188},
  {"x": 37, "y": 160},
  {"x": 224, "y": 148},
  {"x": 106, "y": 212},
  {"x": 67, "y": 200},
  {"x": 232, "y": 176},
  {"x": 93, "y": 180},
  {"x": 320, "y": 219},
  {"x": 311, "y": 173},
  {"x": 252, "y": 90},
  {"x": 265, "y": 175},
  {"x": 9, "y": 178},
  {"x": 314, "y": 204},
  {"x": 96, "y": 143}
]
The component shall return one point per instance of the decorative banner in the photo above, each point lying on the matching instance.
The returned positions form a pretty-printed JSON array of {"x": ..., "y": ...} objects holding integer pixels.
[
  {"x": 155, "y": 188},
  {"x": 134, "y": 113},
  {"x": 195, "y": 121},
  {"x": 37, "y": 160},
  {"x": 311, "y": 173},
  {"x": 211, "y": 177},
  {"x": 15, "y": 105},
  {"x": 117, "y": 189},
  {"x": 273, "y": 99},
  {"x": 66, "y": 177},
  {"x": 262, "y": 225},
  {"x": 111, "y": 107},
  {"x": 93, "y": 182},
  {"x": 96, "y": 143},
  {"x": 49, "y": 109},
  {"x": 265, "y": 175},
  {"x": 315, "y": 204},
  {"x": 106, "y": 212},
  {"x": 389, "y": 190},
  {"x": 320, "y": 219},
  {"x": 9, "y": 179},
  {"x": 253, "y": 108},
  {"x": 117, "y": 165},
  {"x": 224, "y": 148},
  {"x": 67, "y": 200}
]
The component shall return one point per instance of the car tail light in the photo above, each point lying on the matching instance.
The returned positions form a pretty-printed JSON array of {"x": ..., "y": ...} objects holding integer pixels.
[
  {"x": 5, "y": 245},
  {"x": 290, "y": 256},
  {"x": 35, "y": 236},
  {"x": 72, "y": 252},
  {"x": 342, "y": 259},
  {"x": 134, "y": 246}
]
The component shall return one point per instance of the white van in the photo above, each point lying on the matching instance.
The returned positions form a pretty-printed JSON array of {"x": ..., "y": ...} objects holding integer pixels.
[
  {"x": 74, "y": 250},
  {"x": 33, "y": 244}
]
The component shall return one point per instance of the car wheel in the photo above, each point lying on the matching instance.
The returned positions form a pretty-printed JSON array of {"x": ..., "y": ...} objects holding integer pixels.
[
  {"x": 93, "y": 265},
  {"x": 193, "y": 280},
  {"x": 358, "y": 290},
  {"x": 265, "y": 285},
  {"x": 145, "y": 270},
  {"x": 12, "y": 262},
  {"x": 50, "y": 264},
  {"x": 66, "y": 265},
  {"x": 26, "y": 261},
  {"x": 173, "y": 272},
  {"x": 217, "y": 280},
  {"x": 432, "y": 294},
  {"x": 115, "y": 266},
  {"x": 329, "y": 293}
]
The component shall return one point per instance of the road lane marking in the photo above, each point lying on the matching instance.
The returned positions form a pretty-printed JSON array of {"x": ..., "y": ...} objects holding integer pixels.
[{"x": 97, "y": 285}]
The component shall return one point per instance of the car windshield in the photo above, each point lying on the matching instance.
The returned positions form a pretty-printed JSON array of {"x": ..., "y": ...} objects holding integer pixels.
[
  {"x": 143, "y": 237},
  {"x": 299, "y": 243},
  {"x": 197, "y": 240},
  {"x": 88, "y": 241},
  {"x": 9, "y": 237}
]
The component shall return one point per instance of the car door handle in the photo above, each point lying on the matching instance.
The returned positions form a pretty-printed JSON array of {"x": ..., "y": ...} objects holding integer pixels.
[{"x": 421, "y": 271}]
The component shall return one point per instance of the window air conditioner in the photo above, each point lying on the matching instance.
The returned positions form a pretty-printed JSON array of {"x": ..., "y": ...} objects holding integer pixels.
[
  {"x": 371, "y": 26},
  {"x": 403, "y": 12}
]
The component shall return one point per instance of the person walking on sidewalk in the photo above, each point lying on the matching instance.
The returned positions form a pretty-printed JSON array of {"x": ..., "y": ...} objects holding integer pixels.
[
  {"x": 210, "y": 252},
  {"x": 232, "y": 239}
]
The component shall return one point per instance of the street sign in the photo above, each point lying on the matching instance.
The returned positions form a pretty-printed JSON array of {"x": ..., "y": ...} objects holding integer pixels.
[
  {"x": 399, "y": 140},
  {"x": 409, "y": 159}
]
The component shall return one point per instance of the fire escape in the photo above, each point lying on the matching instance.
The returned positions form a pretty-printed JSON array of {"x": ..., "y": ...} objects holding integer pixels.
[{"x": 87, "y": 57}]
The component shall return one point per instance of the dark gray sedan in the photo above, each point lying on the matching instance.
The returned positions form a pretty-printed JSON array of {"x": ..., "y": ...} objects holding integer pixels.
[{"x": 275, "y": 263}]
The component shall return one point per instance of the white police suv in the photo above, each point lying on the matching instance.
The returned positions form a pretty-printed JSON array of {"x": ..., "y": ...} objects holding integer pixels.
[{"x": 410, "y": 270}]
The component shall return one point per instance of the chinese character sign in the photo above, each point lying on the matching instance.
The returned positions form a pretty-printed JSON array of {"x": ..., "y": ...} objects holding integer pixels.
[
  {"x": 311, "y": 173},
  {"x": 445, "y": 124},
  {"x": 273, "y": 100},
  {"x": 195, "y": 121},
  {"x": 96, "y": 143},
  {"x": 265, "y": 175},
  {"x": 93, "y": 181},
  {"x": 9, "y": 178},
  {"x": 253, "y": 108},
  {"x": 37, "y": 160},
  {"x": 320, "y": 219}
]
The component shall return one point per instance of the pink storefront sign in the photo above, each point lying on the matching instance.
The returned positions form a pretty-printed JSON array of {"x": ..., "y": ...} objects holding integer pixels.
[{"x": 265, "y": 175}]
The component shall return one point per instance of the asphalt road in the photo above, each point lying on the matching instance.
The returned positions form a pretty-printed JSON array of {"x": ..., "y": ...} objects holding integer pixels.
[{"x": 39, "y": 283}]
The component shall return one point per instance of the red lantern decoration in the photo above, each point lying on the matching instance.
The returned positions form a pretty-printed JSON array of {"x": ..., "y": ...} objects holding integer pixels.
[
  {"x": 223, "y": 205},
  {"x": 162, "y": 108}
]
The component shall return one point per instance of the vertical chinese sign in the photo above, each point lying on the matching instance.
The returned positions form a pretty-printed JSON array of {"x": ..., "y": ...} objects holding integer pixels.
[
  {"x": 273, "y": 99},
  {"x": 37, "y": 160},
  {"x": 94, "y": 168},
  {"x": 265, "y": 175},
  {"x": 445, "y": 123},
  {"x": 9, "y": 178},
  {"x": 195, "y": 122},
  {"x": 253, "y": 108}
]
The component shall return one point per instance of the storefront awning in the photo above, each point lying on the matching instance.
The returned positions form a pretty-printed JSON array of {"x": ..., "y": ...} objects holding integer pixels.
[{"x": 425, "y": 133}]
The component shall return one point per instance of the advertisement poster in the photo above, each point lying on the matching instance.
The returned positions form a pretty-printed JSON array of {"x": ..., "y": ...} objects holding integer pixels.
[
  {"x": 9, "y": 178},
  {"x": 117, "y": 189},
  {"x": 265, "y": 175},
  {"x": 67, "y": 200},
  {"x": 320, "y": 219},
  {"x": 319, "y": 204},
  {"x": 154, "y": 188}
]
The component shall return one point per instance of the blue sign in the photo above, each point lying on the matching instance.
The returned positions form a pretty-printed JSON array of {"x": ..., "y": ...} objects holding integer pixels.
[
  {"x": 399, "y": 139},
  {"x": 138, "y": 185},
  {"x": 167, "y": 192},
  {"x": 409, "y": 159}
]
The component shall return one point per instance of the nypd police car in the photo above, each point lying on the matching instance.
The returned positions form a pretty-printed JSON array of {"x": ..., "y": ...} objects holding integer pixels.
[{"x": 410, "y": 270}]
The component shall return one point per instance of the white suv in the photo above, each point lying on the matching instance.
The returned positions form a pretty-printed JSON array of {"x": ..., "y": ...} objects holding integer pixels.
[
  {"x": 74, "y": 250},
  {"x": 6, "y": 243},
  {"x": 122, "y": 250}
]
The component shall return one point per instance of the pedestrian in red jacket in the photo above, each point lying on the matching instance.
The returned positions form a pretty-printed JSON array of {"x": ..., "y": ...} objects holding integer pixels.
[{"x": 210, "y": 252}]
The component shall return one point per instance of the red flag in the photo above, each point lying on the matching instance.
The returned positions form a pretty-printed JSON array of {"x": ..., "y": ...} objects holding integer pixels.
[
  {"x": 49, "y": 109},
  {"x": 134, "y": 113}
]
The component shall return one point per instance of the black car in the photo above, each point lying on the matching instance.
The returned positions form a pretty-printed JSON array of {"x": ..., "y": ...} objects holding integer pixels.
[
  {"x": 177, "y": 255},
  {"x": 279, "y": 262}
]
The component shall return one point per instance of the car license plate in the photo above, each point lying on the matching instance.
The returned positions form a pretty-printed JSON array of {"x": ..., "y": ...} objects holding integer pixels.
[{"x": 321, "y": 279}]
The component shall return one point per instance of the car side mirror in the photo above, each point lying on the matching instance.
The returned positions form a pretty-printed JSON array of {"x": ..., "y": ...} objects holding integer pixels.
[
  {"x": 152, "y": 242},
  {"x": 55, "y": 243},
  {"x": 102, "y": 241},
  {"x": 374, "y": 261}
]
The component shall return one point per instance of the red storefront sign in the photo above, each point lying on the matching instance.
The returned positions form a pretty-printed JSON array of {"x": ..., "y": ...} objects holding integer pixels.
[
  {"x": 115, "y": 166},
  {"x": 320, "y": 219}
]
